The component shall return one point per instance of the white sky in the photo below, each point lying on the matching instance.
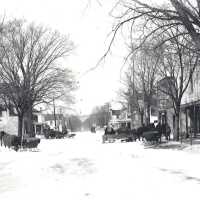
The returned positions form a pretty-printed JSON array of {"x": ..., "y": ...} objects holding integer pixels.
[{"x": 88, "y": 27}]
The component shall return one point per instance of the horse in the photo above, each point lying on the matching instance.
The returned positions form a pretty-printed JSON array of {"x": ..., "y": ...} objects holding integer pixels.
[
  {"x": 2, "y": 133},
  {"x": 139, "y": 132},
  {"x": 10, "y": 141}
]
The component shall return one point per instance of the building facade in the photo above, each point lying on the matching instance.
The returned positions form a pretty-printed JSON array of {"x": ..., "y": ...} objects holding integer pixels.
[
  {"x": 190, "y": 107},
  {"x": 8, "y": 121},
  {"x": 56, "y": 122}
]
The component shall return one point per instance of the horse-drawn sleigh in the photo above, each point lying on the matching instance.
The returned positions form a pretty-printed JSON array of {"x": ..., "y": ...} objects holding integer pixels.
[
  {"x": 120, "y": 131},
  {"x": 15, "y": 142},
  {"x": 149, "y": 133}
]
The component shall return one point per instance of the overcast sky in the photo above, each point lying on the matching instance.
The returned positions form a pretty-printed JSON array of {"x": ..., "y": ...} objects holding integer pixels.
[{"x": 88, "y": 26}]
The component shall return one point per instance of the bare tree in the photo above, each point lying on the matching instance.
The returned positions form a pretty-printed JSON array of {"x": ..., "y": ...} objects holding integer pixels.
[
  {"x": 147, "y": 63},
  {"x": 129, "y": 94},
  {"x": 100, "y": 115},
  {"x": 140, "y": 81},
  {"x": 178, "y": 66},
  {"x": 29, "y": 69},
  {"x": 150, "y": 19}
]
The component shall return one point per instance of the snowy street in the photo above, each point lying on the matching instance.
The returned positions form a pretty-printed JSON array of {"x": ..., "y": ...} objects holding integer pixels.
[{"x": 83, "y": 168}]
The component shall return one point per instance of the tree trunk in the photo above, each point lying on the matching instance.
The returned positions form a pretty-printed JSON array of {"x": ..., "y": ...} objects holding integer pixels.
[
  {"x": 20, "y": 125},
  {"x": 148, "y": 113},
  {"x": 30, "y": 121},
  {"x": 186, "y": 120},
  {"x": 142, "y": 117},
  {"x": 54, "y": 114},
  {"x": 177, "y": 126}
]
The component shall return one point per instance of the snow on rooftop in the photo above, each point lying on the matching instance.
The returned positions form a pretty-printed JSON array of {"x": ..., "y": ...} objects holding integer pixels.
[{"x": 116, "y": 106}]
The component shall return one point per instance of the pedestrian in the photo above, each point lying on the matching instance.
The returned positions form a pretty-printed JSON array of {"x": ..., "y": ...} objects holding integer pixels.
[
  {"x": 109, "y": 130},
  {"x": 168, "y": 132},
  {"x": 93, "y": 129}
]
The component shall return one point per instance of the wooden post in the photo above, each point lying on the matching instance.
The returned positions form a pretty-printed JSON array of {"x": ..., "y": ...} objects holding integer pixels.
[
  {"x": 192, "y": 130},
  {"x": 181, "y": 130},
  {"x": 142, "y": 117},
  {"x": 195, "y": 121},
  {"x": 54, "y": 112},
  {"x": 186, "y": 120}
]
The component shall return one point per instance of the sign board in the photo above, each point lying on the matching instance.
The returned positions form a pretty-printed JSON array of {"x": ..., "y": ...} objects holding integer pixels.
[{"x": 115, "y": 112}]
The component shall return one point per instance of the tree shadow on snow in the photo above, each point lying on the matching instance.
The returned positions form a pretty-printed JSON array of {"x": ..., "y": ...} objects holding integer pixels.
[
  {"x": 75, "y": 166},
  {"x": 195, "y": 141},
  {"x": 83, "y": 166},
  {"x": 29, "y": 150},
  {"x": 182, "y": 174},
  {"x": 58, "y": 168},
  {"x": 166, "y": 145},
  {"x": 173, "y": 144}
]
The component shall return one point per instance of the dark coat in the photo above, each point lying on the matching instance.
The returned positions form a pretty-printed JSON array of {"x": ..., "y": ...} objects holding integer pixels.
[{"x": 107, "y": 132}]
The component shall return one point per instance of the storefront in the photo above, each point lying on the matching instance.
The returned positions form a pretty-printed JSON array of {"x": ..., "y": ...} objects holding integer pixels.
[{"x": 192, "y": 117}]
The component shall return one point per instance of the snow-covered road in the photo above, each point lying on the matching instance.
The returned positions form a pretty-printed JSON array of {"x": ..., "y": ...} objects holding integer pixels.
[{"x": 84, "y": 168}]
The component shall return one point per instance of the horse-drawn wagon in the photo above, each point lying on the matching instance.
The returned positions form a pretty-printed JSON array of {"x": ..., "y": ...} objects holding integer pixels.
[
  {"x": 151, "y": 136},
  {"x": 121, "y": 131},
  {"x": 16, "y": 142},
  {"x": 151, "y": 133}
]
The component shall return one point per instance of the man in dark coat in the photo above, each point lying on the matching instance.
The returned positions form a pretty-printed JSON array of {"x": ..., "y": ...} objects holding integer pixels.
[{"x": 109, "y": 130}]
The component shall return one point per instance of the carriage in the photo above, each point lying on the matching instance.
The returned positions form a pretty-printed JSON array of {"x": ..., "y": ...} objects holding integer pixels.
[
  {"x": 149, "y": 133},
  {"x": 153, "y": 134},
  {"x": 122, "y": 132},
  {"x": 16, "y": 142},
  {"x": 51, "y": 133}
]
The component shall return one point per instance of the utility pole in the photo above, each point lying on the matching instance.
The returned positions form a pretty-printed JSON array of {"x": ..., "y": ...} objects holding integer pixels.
[
  {"x": 133, "y": 97},
  {"x": 54, "y": 112},
  {"x": 60, "y": 119}
]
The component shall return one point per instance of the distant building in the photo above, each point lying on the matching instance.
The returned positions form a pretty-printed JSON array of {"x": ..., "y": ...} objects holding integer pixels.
[
  {"x": 38, "y": 122},
  {"x": 190, "y": 106},
  {"x": 8, "y": 120},
  {"x": 57, "y": 122},
  {"x": 137, "y": 110},
  {"x": 119, "y": 118},
  {"x": 115, "y": 113},
  {"x": 165, "y": 109}
]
